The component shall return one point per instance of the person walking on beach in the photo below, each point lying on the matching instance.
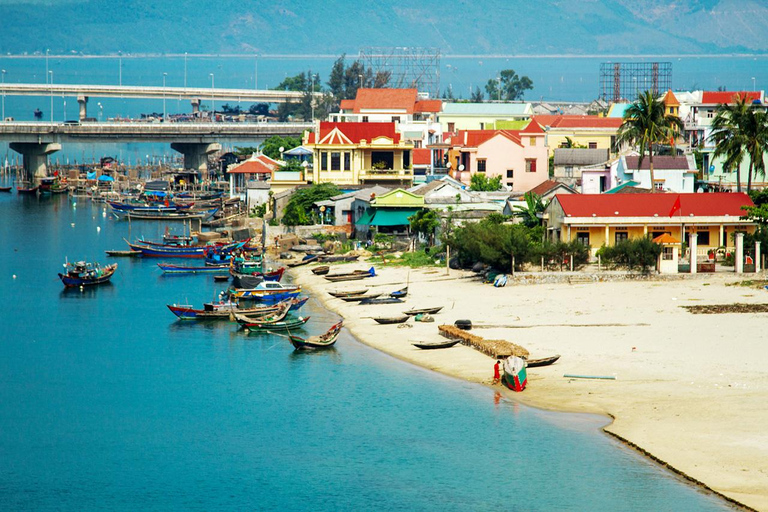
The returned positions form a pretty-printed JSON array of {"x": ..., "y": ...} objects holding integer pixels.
[{"x": 496, "y": 373}]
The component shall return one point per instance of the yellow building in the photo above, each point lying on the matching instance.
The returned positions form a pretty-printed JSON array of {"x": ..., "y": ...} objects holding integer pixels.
[
  {"x": 592, "y": 132},
  {"x": 606, "y": 219},
  {"x": 360, "y": 153}
]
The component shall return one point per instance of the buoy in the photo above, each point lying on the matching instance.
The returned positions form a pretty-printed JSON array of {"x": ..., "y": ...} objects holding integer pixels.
[
  {"x": 73, "y": 224},
  {"x": 98, "y": 229},
  {"x": 14, "y": 276}
]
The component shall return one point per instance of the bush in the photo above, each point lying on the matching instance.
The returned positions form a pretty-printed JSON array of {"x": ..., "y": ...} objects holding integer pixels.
[
  {"x": 632, "y": 254},
  {"x": 299, "y": 212},
  {"x": 259, "y": 210}
]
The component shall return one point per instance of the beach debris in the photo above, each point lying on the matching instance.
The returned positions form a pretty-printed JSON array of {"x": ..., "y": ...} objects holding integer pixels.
[
  {"x": 404, "y": 326},
  {"x": 493, "y": 348},
  {"x": 727, "y": 308}
]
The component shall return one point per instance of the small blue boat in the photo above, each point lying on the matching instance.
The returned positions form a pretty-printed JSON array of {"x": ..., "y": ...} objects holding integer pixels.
[
  {"x": 86, "y": 274},
  {"x": 184, "y": 269}
]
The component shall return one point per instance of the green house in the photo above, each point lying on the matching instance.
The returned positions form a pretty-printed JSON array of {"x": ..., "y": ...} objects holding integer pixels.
[{"x": 389, "y": 212}]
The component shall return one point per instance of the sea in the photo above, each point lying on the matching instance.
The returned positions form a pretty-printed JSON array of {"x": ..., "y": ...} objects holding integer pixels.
[
  {"x": 568, "y": 78},
  {"x": 108, "y": 402}
]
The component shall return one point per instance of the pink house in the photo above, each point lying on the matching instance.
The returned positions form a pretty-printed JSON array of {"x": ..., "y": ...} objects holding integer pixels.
[{"x": 520, "y": 157}]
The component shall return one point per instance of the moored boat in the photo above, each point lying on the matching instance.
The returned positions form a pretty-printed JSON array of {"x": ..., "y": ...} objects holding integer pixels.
[
  {"x": 318, "y": 342},
  {"x": 276, "y": 326},
  {"x": 515, "y": 376},
  {"x": 306, "y": 260},
  {"x": 86, "y": 274},
  {"x": 5, "y": 189},
  {"x": 357, "y": 298},
  {"x": 399, "y": 294},
  {"x": 392, "y": 320},
  {"x": 436, "y": 345},
  {"x": 348, "y": 293},
  {"x": 544, "y": 361},
  {"x": 157, "y": 251},
  {"x": 184, "y": 269},
  {"x": 123, "y": 253},
  {"x": 28, "y": 190},
  {"x": 423, "y": 311},
  {"x": 352, "y": 276},
  {"x": 380, "y": 300},
  {"x": 321, "y": 270},
  {"x": 268, "y": 291}
]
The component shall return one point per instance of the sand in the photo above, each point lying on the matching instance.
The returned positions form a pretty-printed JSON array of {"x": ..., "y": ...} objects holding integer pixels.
[{"x": 690, "y": 390}]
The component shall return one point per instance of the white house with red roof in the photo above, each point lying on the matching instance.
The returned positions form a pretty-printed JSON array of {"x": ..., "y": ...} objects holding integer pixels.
[
  {"x": 360, "y": 153},
  {"x": 592, "y": 132},
  {"x": 598, "y": 219},
  {"x": 259, "y": 167},
  {"x": 519, "y": 157}
]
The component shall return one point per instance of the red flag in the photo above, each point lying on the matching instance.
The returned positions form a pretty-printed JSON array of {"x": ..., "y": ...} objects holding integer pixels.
[{"x": 675, "y": 207}]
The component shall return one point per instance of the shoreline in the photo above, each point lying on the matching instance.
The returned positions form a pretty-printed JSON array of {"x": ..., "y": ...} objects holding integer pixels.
[{"x": 547, "y": 390}]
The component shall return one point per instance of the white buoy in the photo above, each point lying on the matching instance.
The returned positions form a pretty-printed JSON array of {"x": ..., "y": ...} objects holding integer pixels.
[
  {"x": 73, "y": 224},
  {"x": 98, "y": 229},
  {"x": 14, "y": 276},
  {"x": 74, "y": 204}
]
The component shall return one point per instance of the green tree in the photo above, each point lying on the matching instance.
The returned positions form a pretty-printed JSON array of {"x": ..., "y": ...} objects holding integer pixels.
[
  {"x": 632, "y": 253},
  {"x": 508, "y": 87},
  {"x": 425, "y": 222},
  {"x": 479, "y": 182},
  {"x": 259, "y": 109},
  {"x": 336, "y": 78},
  {"x": 245, "y": 150},
  {"x": 533, "y": 210},
  {"x": 646, "y": 123},
  {"x": 271, "y": 146},
  {"x": 477, "y": 96},
  {"x": 299, "y": 210}
]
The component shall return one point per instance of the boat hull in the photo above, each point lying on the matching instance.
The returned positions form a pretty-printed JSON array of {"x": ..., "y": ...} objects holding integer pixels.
[{"x": 515, "y": 375}]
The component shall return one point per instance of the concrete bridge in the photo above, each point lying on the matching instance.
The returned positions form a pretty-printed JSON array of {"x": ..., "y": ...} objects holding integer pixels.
[
  {"x": 194, "y": 94},
  {"x": 35, "y": 141}
]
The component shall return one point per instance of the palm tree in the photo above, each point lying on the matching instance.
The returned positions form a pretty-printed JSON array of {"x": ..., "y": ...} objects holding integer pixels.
[
  {"x": 646, "y": 123},
  {"x": 532, "y": 211},
  {"x": 729, "y": 134},
  {"x": 757, "y": 141}
]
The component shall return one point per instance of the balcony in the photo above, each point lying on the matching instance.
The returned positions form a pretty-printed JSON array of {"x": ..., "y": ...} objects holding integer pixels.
[{"x": 386, "y": 175}]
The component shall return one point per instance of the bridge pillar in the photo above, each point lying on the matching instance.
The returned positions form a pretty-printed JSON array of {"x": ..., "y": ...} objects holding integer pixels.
[
  {"x": 195, "y": 107},
  {"x": 196, "y": 154},
  {"x": 82, "y": 102},
  {"x": 35, "y": 158}
]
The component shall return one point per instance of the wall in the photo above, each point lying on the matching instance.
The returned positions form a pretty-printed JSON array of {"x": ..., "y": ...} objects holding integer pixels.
[
  {"x": 556, "y": 137},
  {"x": 502, "y": 154},
  {"x": 590, "y": 181}
]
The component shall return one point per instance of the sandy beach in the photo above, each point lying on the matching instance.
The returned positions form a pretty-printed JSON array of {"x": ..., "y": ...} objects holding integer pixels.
[{"x": 690, "y": 389}]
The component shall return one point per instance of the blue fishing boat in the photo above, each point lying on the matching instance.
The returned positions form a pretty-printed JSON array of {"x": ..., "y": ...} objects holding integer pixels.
[
  {"x": 191, "y": 269},
  {"x": 86, "y": 274},
  {"x": 155, "y": 251}
]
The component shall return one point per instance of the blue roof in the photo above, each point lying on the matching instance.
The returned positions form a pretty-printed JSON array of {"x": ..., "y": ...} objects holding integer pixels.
[{"x": 618, "y": 109}]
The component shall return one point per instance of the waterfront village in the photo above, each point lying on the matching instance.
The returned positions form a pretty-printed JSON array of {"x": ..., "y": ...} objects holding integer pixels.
[{"x": 607, "y": 255}]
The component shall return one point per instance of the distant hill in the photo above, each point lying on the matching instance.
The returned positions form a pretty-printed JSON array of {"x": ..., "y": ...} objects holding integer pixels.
[{"x": 336, "y": 26}]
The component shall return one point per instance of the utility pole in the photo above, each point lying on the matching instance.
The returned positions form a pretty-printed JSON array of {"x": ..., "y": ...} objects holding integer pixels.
[
  {"x": 185, "y": 70},
  {"x": 164, "y": 111},
  {"x": 51, "y": 82},
  {"x": 213, "y": 105}
]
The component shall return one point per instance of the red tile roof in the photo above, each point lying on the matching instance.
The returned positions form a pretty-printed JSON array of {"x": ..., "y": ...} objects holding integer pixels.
[
  {"x": 386, "y": 99},
  {"x": 421, "y": 156},
  {"x": 543, "y": 188},
  {"x": 578, "y": 121},
  {"x": 347, "y": 104},
  {"x": 429, "y": 106},
  {"x": 262, "y": 164},
  {"x": 473, "y": 138},
  {"x": 355, "y": 132},
  {"x": 648, "y": 205},
  {"x": 725, "y": 97}
]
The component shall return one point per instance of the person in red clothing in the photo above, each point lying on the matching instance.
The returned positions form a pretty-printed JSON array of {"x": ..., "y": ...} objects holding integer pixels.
[{"x": 496, "y": 373}]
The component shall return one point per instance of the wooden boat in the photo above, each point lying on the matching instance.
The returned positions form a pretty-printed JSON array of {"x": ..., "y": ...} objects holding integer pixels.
[
  {"x": 217, "y": 311},
  {"x": 515, "y": 376},
  {"x": 314, "y": 342},
  {"x": 86, "y": 274},
  {"x": 357, "y": 298},
  {"x": 423, "y": 311},
  {"x": 123, "y": 253},
  {"x": 27, "y": 190},
  {"x": 173, "y": 215},
  {"x": 335, "y": 259},
  {"x": 268, "y": 291},
  {"x": 545, "y": 361},
  {"x": 348, "y": 293},
  {"x": 221, "y": 278},
  {"x": 276, "y": 326},
  {"x": 307, "y": 259},
  {"x": 439, "y": 344},
  {"x": 351, "y": 276},
  {"x": 321, "y": 270},
  {"x": 155, "y": 251},
  {"x": 183, "y": 269},
  {"x": 392, "y": 320},
  {"x": 269, "y": 318},
  {"x": 380, "y": 300},
  {"x": 274, "y": 275},
  {"x": 5, "y": 189},
  {"x": 399, "y": 294}
]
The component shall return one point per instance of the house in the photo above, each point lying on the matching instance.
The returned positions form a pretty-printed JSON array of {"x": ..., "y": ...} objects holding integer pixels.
[
  {"x": 256, "y": 193},
  {"x": 343, "y": 213},
  {"x": 414, "y": 114},
  {"x": 446, "y": 192},
  {"x": 670, "y": 173},
  {"x": 569, "y": 162},
  {"x": 389, "y": 213},
  {"x": 548, "y": 189},
  {"x": 259, "y": 168},
  {"x": 518, "y": 157},
  {"x": 598, "y": 219},
  {"x": 592, "y": 132},
  {"x": 360, "y": 153},
  {"x": 422, "y": 164},
  {"x": 484, "y": 116}
]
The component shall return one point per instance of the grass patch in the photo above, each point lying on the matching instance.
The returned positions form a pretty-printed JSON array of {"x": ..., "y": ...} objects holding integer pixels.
[
  {"x": 751, "y": 283},
  {"x": 727, "y": 308},
  {"x": 415, "y": 259}
]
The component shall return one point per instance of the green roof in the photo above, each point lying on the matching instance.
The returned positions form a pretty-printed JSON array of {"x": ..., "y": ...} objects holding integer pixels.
[
  {"x": 617, "y": 188},
  {"x": 392, "y": 216},
  {"x": 365, "y": 220}
]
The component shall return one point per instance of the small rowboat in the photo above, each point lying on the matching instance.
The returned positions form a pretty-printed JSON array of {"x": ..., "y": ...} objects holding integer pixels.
[
  {"x": 5, "y": 189},
  {"x": 313, "y": 342},
  {"x": 392, "y": 320},
  {"x": 357, "y": 298},
  {"x": 27, "y": 190},
  {"x": 321, "y": 271},
  {"x": 515, "y": 376},
  {"x": 221, "y": 278},
  {"x": 276, "y": 326},
  {"x": 349, "y": 293},
  {"x": 183, "y": 269},
  {"x": 212, "y": 312},
  {"x": 383, "y": 300},
  {"x": 123, "y": 253},
  {"x": 331, "y": 259},
  {"x": 423, "y": 311},
  {"x": 439, "y": 344},
  {"x": 351, "y": 276},
  {"x": 307, "y": 259},
  {"x": 399, "y": 294},
  {"x": 269, "y": 318},
  {"x": 545, "y": 361}
]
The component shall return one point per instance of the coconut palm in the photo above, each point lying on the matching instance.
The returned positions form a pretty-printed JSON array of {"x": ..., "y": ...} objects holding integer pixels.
[
  {"x": 646, "y": 123},
  {"x": 756, "y": 141},
  {"x": 532, "y": 211},
  {"x": 729, "y": 134}
]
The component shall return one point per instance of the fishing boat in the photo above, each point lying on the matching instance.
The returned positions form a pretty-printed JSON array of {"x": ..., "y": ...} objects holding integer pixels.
[
  {"x": 86, "y": 274},
  {"x": 357, "y": 298},
  {"x": 123, "y": 253},
  {"x": 221, "y": 278},
  {"x": 399, "y": 294},
  {"x": 392, "y": 320},
  {"x": 268, "y": 291},
  {"x": 306, "y": 260},
  {"x": 437, "y": 345},
  {"x": 314, "y": 342},
  {"x": 515, "y": 376},
  {"x": 276, "y": 326},
  {"x": 544, "y": 361},
  {"x": 216, "y": 310},
  {"x": 255, "y": 270},
  {"x": 348, "y": 293},
  {"x": 158, "y": 251},
  {"x": 352, "y": 276},
  {"x": 321, "y": 270},
  {"x": 28, "y": 190},
  {"x": 5, "y": 189},
  {"x": 278, "y": 315},
  {"x": 149, "y": 214},
  {"x": 184, "y": 269},
  {"x": 380, "y": 300},
  {"x": 423, "y": 311},
  {"x": 335, "y": 259}
]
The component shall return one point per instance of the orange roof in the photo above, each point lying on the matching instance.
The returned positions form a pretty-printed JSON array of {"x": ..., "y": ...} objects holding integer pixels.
[
  {"x": 571, "y": 121},
  {"x": 666, "y": 238},
  {"x": 347, "y": 104},
  {"x": 421, "y": 156},
  {"x": 544, "y": 187},
  {"x": 261, "y": 164},
  {"x": 670, "y": 99},
  {"x": 428, "y": 106},
  {"x": 473, "y": 138},
  {"x": 353, "y": 133},
  {"x": 386, "y": 99},
  {"x": 726, "y": 97}
]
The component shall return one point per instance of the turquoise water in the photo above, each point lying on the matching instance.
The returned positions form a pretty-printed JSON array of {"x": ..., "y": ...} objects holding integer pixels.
[{"x": 108, "y": 402}]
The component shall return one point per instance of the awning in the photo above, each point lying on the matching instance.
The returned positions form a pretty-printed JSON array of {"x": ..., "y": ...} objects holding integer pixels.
[
  {"x": 365, "y": 220},
  {"x": 392, "y": 216}
]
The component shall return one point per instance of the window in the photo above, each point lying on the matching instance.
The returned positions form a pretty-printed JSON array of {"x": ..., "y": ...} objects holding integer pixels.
[
  {"x": 659, "y": 185},
  {"x": 702, "y": 237},
  {"x": 383, "y": 159},
  {"x": 569, "y": 171},
  {"x": 481, "y": 165},
  {"x": 583, "y": 238},
  {"x": 532, "y": 141},
  {"x": 510, "y": 173},
  {"x": 667, "y": 253},
  {"x": 395, "y": 119},
  {"x": 335, "y": 161},
  {"x": 451, "y": 127},
  {"x": 613, "y": 144},
  {"x": 530, "y": 165},
  {"x": 365, "y": 119},
  {"x": 710, "y": 114},
  {"x": 347, "y": 161},
  {"x": 593, "y": 145},
  {"x": 323, "y": 160},
  {"x": 482, "y": 126},
  {"x": 621, "y": 236},
  {"x": 406, "y": 159}
]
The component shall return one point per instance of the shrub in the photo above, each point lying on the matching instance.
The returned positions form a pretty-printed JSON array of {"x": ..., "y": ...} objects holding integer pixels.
[{"x": 632, "y": 254}]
